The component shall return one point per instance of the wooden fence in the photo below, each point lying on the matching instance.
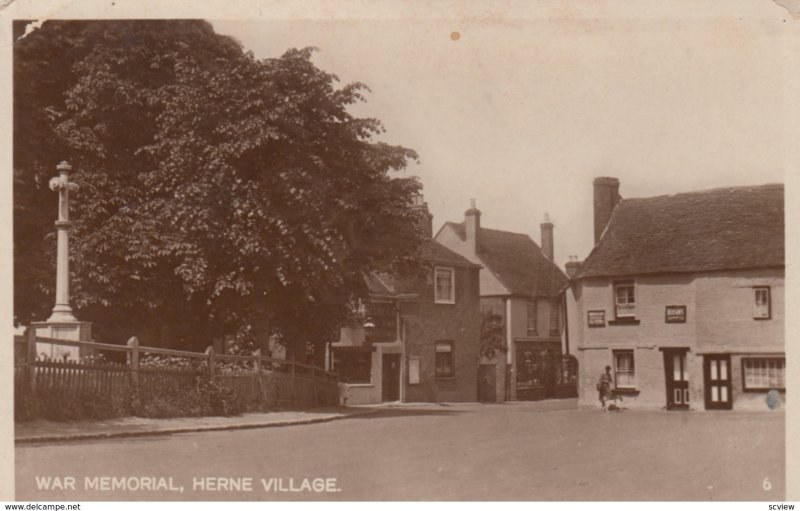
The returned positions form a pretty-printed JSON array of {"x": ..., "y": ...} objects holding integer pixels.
[{"x": 254, "y": 382}]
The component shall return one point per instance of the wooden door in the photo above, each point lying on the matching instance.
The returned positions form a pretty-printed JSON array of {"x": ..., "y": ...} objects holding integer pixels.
[
  {"x": 717, "y": 379},
  {"x": 677, "y": 379},
  {"x": 390, "y": 390}
]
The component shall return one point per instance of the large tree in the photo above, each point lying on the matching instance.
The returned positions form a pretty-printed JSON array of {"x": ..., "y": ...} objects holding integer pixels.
[{"x": 221, "y": 195}]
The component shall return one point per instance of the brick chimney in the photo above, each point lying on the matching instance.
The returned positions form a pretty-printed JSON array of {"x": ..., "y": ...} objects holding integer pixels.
[
  {"x": 424, "y": 218},
  {"x": 572, "y": 267},
  {"x": 606, "y": 197},
  {"x": 472, "y": 225},
  {"x": 547, "y": 237}
]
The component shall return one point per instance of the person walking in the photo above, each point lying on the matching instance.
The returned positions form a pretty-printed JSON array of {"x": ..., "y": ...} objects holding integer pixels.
[{"x": 604, "y": 387}]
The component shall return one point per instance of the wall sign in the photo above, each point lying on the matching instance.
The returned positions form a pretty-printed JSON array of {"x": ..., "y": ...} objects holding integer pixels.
[
  {"x": 675, "y": 314},
  {"x": 413, "y": 370},
  {"x": 597, "y": 318}
]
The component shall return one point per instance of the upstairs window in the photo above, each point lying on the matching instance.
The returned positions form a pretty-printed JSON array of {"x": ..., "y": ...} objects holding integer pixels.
[
  {"x": 444, "y": 283},
  {"x": 531, "y": 325},
  {"x": 625, "y": 300},
  {"x": 555, "y": 308},
  {"x": 763, "y": 309},
  {"x": 445, "y": 367}
]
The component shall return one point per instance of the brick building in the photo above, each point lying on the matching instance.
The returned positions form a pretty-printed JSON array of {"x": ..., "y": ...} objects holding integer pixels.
[
  {"x": 683, "y": 296},
  {"x": 421, "y": 335},
  {"x": 520, "y": 283}
]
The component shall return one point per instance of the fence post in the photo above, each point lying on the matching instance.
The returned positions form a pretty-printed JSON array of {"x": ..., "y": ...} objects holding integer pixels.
[
  {"x": 133, "y": 361},
  {"x": 30, "y": 357},
  {"x": 210, "y": 355},
  {"x": 314, "y": 385},
  {"x": 257, "y": 376},
  {"x": 293, "y": 392},
  {"x": 257, "y": 359}
]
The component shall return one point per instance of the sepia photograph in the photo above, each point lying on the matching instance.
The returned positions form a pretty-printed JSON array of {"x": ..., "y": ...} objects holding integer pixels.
[{"x": 398, "y": 251}]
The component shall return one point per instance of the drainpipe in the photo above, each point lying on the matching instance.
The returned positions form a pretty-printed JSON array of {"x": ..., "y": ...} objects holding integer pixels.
[
  {"x": 566, "y": 322},
  {"x": 511, "y": 393}
]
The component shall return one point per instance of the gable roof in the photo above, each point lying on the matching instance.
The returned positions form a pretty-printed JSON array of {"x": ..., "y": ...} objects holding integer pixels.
[
  {"x": 383, "y": 284},
  {"x": 517, "y": 261},
  {"x": 719, "y": 229}
]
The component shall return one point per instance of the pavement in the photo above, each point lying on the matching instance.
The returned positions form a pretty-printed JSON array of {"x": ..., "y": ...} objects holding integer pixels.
[{"x": 42, "y": 431}]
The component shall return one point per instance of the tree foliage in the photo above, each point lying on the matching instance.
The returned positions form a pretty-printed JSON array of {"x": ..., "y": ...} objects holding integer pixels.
[
  {"x": 221, "y": 195},
  {"x": 492, "y": 335}
]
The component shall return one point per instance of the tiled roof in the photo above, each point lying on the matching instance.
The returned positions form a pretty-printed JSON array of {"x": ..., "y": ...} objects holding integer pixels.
[
  {"x": 434, "y": 251},
  {"x": 430, "y": 251},
  {"x": 517, "y": 261},
  {"x": 720, "y": 229}
]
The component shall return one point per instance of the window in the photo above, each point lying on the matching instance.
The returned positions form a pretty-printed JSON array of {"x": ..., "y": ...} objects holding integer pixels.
[
  {"x": 531, "y": 325},
  {"x": 445, "y": 285},
  {"x": 764, "y": 373},
  {"x": 353, "y": 365},
  {"x": 624, "y": 369},
  {"x": 624, "y": 300},
  {"x": 555, "y": 307},
  {"x": 444, "y": 359},
  {"x": 762, "y": 303}
]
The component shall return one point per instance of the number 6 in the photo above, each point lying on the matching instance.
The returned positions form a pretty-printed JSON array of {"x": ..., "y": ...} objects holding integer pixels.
[{"x": 766, "y": 484}]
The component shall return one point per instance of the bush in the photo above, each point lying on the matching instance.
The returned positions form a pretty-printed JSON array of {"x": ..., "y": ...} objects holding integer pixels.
[
  {"x": 83, "y": 404},
  {"x": 206, "y": 397}
]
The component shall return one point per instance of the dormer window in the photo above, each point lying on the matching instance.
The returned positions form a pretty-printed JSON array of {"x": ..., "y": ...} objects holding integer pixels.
[
  {"x": 625, "y": 300},
  {"x": 444, "y": 284},
  {"x": 762, "y": 308}
]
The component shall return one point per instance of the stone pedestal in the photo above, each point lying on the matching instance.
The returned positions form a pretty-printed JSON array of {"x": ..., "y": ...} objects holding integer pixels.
[{"x": 67, "y": 330}]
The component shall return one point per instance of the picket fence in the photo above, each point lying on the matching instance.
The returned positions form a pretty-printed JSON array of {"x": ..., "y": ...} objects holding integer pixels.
[{"x": 256, "y": 381}]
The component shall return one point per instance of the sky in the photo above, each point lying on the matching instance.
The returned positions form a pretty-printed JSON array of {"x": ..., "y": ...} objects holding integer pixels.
[{"x": 521, "y": 115}]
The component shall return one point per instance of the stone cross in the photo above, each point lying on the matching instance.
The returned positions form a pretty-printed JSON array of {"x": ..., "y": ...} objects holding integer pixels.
[{"x": 62, "y": 312}]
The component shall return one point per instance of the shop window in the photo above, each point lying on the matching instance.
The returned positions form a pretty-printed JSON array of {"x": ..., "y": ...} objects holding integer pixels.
[
  {"x": 624, "y": 369},
  {"x": 445, "y": 366},
  {"x": 353, "y": 366},
  {"x": 444, "y": 285},
  {"x": 764, "y": 373},
  {"x": 763, "y": 309}
]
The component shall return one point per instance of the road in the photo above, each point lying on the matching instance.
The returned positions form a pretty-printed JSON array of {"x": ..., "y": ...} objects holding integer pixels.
[{"x": 538, "y": 451}]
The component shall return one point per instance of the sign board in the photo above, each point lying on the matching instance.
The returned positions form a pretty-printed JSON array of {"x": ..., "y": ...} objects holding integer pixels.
[
  {"x": 675, "y": 314},
  {"x": 597, "y": 318}
]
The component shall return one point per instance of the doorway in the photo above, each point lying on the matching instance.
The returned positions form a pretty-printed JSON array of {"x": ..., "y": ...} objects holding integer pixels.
[
  {"x": 390, "y": 388},
  {"x": 487, "y": 383},
  {"x": 717, "y": 379},
  {"x": 677, "y": 378}
]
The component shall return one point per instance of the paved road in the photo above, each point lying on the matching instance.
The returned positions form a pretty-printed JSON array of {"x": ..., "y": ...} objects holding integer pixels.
[{"x": 428, "y": 452}]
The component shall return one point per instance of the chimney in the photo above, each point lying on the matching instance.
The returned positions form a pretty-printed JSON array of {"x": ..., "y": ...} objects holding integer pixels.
[
  {"x": 573, "y": 266},
  {"x": 547, "y": 237},
  {"x": 472, "y": 225},
  {"x": 424, "y": 218},
  {"x": 606, "y": 197}
]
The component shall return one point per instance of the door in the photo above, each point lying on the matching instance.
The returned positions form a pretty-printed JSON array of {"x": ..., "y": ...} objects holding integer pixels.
[
  {"x": 487, "y": 381},
  {"x": 677, "y": 378},
  {"x": 717, "y": 379},
  {"x": 390, "y": 390}
]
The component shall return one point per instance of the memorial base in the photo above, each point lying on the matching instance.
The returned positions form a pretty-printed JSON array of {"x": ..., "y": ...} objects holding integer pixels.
[{"x": 70, "y": 331}]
